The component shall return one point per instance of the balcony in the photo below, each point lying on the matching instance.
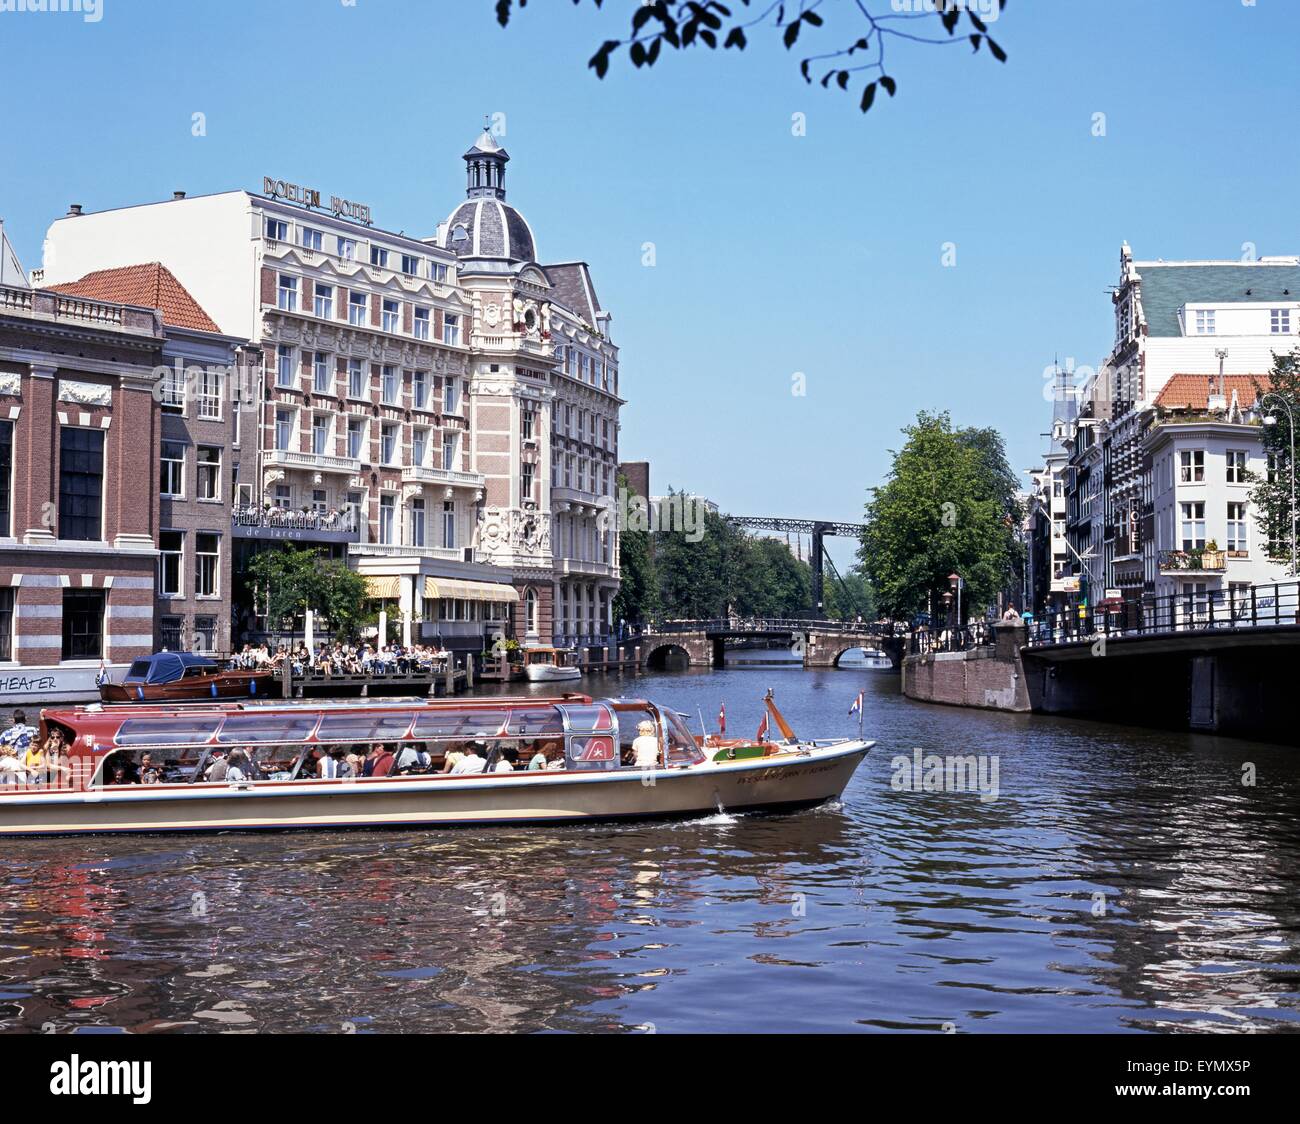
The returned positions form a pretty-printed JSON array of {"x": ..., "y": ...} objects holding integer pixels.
[
  {"x": 1193, "y": 562},
  {"x": 396, "y": 550},
  {"x": 314, "y": 462},
  {"x": 586, "y": 567},
  {"x": 445, "y": 477},
  {"x": 279, "y": 525}
]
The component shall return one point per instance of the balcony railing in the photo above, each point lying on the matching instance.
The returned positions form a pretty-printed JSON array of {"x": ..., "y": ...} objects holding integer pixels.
[
  {"x": 320, "y": 462},
  {"x": 420, "y": 474},
  {"x": 587, "y": 567},
  {"x": 270, "y": 522},
  {"x": 398, "y": 550},
  {"x": 1193, "y": 561}
]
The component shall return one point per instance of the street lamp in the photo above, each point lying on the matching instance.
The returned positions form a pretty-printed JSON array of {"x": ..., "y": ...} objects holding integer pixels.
[
  {"x": 954, "y": 580},
  {"x": 1271, "y": 419}
]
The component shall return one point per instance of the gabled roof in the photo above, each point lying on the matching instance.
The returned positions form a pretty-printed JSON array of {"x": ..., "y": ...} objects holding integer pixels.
[
  {"x": 148, "y": 286},
  {"x": 1167, "y": 286},
  {"x": 573, "y": 289},
  {"x": 1192, "y": 392}
]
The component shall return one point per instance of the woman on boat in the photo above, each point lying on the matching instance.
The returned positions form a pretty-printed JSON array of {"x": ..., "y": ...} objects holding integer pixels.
[{"x": 645, "y": 749}]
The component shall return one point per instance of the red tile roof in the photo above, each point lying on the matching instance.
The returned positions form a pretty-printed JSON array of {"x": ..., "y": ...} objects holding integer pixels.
[
  {"x": 149, "y": 286},
  {"x": 1192, "y": 392}
]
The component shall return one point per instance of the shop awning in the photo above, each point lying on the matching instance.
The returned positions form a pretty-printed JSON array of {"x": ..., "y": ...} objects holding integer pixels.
[
  {"x": 382, "y": 587},
  {"x": 461, "y": 590}
]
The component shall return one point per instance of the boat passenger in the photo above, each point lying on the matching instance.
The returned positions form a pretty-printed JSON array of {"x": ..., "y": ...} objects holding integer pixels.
[
  {"x": 645, "y": 748},
  {"x": 217, "y": 770},
  {"x": 381, "y": 764},
  {"x": 538, "y": 760},
  {"x": 58, "y": 765},
  {"x": 20, "y": 735},
  {"x": 509, "y": 761},
  {"x": 356, "y": 763},
  {"x": 451, "y": 759},
  {"x": 413, "y": 759},
  {"x": 117, "y": 774},
  {"x": 473, "y": 761},
  {"x": 11, "y": 766},
  {"x": 235, "y": 766},
  {"x": 149, "y": 772},
  {"x": 327, "y": 764},
  {"x": 554, "y": 753}
]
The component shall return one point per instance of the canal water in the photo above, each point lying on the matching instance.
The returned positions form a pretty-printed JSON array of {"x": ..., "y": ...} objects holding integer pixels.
[{"x": 1110, "y": 880}]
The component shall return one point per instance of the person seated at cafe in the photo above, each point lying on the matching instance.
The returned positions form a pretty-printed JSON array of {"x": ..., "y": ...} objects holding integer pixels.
[
  {"x": 473, "y": 761},
  {"x": 509, "y": 761},
  {"x": 645, "y": 748}
]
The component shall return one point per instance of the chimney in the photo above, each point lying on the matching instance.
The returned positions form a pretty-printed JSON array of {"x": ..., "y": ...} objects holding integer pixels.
[
  {"x": 73, "y": 209},
  {"x": 178, "y": 195}
]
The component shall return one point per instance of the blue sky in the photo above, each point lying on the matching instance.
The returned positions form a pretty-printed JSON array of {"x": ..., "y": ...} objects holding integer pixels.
[{"x": 775, "y": 254}]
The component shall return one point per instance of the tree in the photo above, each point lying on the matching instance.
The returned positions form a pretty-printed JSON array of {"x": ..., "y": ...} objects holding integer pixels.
[
  {"x": 638, "y": 592},
  {"x": 1271, "y": 494},
  {"x": 696, "y": 578},
  {"x": 857, "y": 597},
  {"x": 286, "y": 582},
  {"x": 948, "y": 505},
  {"x": 684, "y": 24}
]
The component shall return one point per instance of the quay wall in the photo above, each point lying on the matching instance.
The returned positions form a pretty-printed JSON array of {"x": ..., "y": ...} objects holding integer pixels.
[{"x": 991, "y": 679}]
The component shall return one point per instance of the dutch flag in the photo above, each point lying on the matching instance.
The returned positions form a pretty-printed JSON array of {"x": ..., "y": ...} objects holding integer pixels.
[{"x": 856, "y": 708}]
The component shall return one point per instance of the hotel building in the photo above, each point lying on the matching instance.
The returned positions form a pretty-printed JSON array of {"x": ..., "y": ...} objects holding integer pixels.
[{"x": 441, "y": 411}]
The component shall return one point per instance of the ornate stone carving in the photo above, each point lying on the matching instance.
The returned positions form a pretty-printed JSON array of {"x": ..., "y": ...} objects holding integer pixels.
[
  {"x": 11, "y": 383},
  {"x": 85, "y": 393}
]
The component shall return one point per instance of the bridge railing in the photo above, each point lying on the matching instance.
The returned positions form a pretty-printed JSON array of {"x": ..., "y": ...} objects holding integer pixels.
[
  {"x": 971, "y": 637},
  {"x": 772, "y": 624},
  {"x": 1213, "y": 610}
]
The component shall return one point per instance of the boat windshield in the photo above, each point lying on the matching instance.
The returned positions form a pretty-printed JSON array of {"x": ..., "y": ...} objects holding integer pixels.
[{"x": 682, "y": 747}]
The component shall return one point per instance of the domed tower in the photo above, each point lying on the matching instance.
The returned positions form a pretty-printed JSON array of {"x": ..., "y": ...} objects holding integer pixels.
[{"x": 485, "y": 226}]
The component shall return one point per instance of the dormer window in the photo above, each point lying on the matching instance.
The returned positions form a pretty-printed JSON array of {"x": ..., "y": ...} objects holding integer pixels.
[
  {"x": 459, "y": 233},
  {"x": 1205, "y": 321}
]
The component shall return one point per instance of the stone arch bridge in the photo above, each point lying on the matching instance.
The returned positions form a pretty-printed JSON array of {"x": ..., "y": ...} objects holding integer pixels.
[{"x": 822, "y": 643}]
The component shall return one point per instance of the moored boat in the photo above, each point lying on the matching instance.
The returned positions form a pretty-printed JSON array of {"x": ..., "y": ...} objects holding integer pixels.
[
  {"x": 172, "y": 677},
  {"x": 586, "y": 743},
  {"x": 549, "y": 665}
]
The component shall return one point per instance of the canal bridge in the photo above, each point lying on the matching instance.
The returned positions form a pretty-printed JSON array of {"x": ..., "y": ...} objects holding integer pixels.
[{"x": 822, "y": 643}]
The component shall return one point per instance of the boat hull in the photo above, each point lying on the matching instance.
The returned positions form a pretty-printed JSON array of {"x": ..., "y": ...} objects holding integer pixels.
[
  {"x": 201, "y": 688},
  {"x": 549, "y": 673},
  {"x": 786, "y": 782}
]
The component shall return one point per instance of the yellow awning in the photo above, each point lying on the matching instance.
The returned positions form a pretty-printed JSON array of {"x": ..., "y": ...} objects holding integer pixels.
[
  {"x": 462, "y": 590},
  {"x": 383, "y": 586}
]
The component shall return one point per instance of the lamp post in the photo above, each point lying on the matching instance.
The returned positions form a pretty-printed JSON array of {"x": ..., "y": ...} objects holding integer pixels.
[
  {"x": 947, "y": 612},
  {"x": 1271, "y": 419},
  {"x": 954, "y": 580}
]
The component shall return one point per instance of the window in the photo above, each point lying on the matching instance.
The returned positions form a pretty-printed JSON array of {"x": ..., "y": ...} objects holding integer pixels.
[
  {"x": 1205, "y": 321},
  {"x": 6, "y": 623},
  {"x": 323, "y": 302},
  {"x": 319, "y": 500},
  {"x": 356, "y": 379},
  {"x": 81, "y": 484},
  {"x": 352, "y": 505},
  {"x": 356, "y": 437},
  {"x": 347, "y": 248},
  {"x": 410, "y": 265},
  {"x": 171, "y": 476},
  {"x": 420, "y": 326},
  {"x": 389, "y": 316},
  {"x": 205, "y": 634},
  {"x": 1193, "y": 526},
  {"x": 320, "y": 434},
  {"x": 526, "y": 481},
  {"x": 357, "y": 309},
  {"x": 437, "y": 271},
  {"x": 283, "y": 428},
  {"x": 449, "y": 452},
  {"x": 419, "y": 446},
  {"x": 209, "y": 462},
  {"x": 173, "y": 388},
  {"x": 83, "y": 624},
  {"x": 209, "y": 394},
  {"x": 1280, "y": 321},
  {"x": 171, "y": 632},
  {"x": 379, "y": 257},
  {"x": 449, "y": 524},
  {"x": 283, "y": 495},
  {"x": 451, "y": 396},
  {"x": 286, "y": 298},
  {"x": 311, "y": 239},
  {"x": 320, "y": 372},
  {"x": 451, "y": 328},
  {"x": 277, "y": 230},
  {"x": 207, "y": 559},
  {"x": 1236, "y": 471},
  {"x": 388, "y": 385},
  {"x": 417, "y": 522},
  {"x": 171, "y": 551},
  {"x": 386, "y": 509},
  {"x": 387, "y": 443},
  {"x": 6, "y": 481},
  {"x": 285, "y": 361},
  {"x": 1237, "y": 527},
  {"x": 420, "y": 389},
  {"x": 526, "y": 419},
  {"x": 1191, "y": 466}
]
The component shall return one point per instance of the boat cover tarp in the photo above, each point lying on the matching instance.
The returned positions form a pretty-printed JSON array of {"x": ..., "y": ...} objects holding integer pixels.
[{"x": 167, "y": 667}]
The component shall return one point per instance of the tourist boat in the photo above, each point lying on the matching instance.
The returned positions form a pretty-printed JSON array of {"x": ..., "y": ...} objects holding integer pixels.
[
  {"x": 184, "y": 677},
  {"x": 549, "y": 665},
  {"x": 589, "y": 741}
]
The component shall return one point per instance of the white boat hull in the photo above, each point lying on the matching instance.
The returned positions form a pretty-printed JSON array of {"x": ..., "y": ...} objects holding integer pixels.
[
  {"x": 810, "y": 776},
  {"x": 549, "y": 673}
]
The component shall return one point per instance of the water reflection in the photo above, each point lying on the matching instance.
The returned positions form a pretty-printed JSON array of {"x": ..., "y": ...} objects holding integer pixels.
[{"x": 1120, "y": 881}]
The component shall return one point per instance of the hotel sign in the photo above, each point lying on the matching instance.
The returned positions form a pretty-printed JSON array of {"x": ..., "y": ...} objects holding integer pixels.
[{"x": 310, "y": 197}]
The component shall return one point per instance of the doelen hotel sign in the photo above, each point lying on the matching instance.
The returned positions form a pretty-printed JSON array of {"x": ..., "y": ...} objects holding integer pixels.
[{"x": 310, "y": 197}]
